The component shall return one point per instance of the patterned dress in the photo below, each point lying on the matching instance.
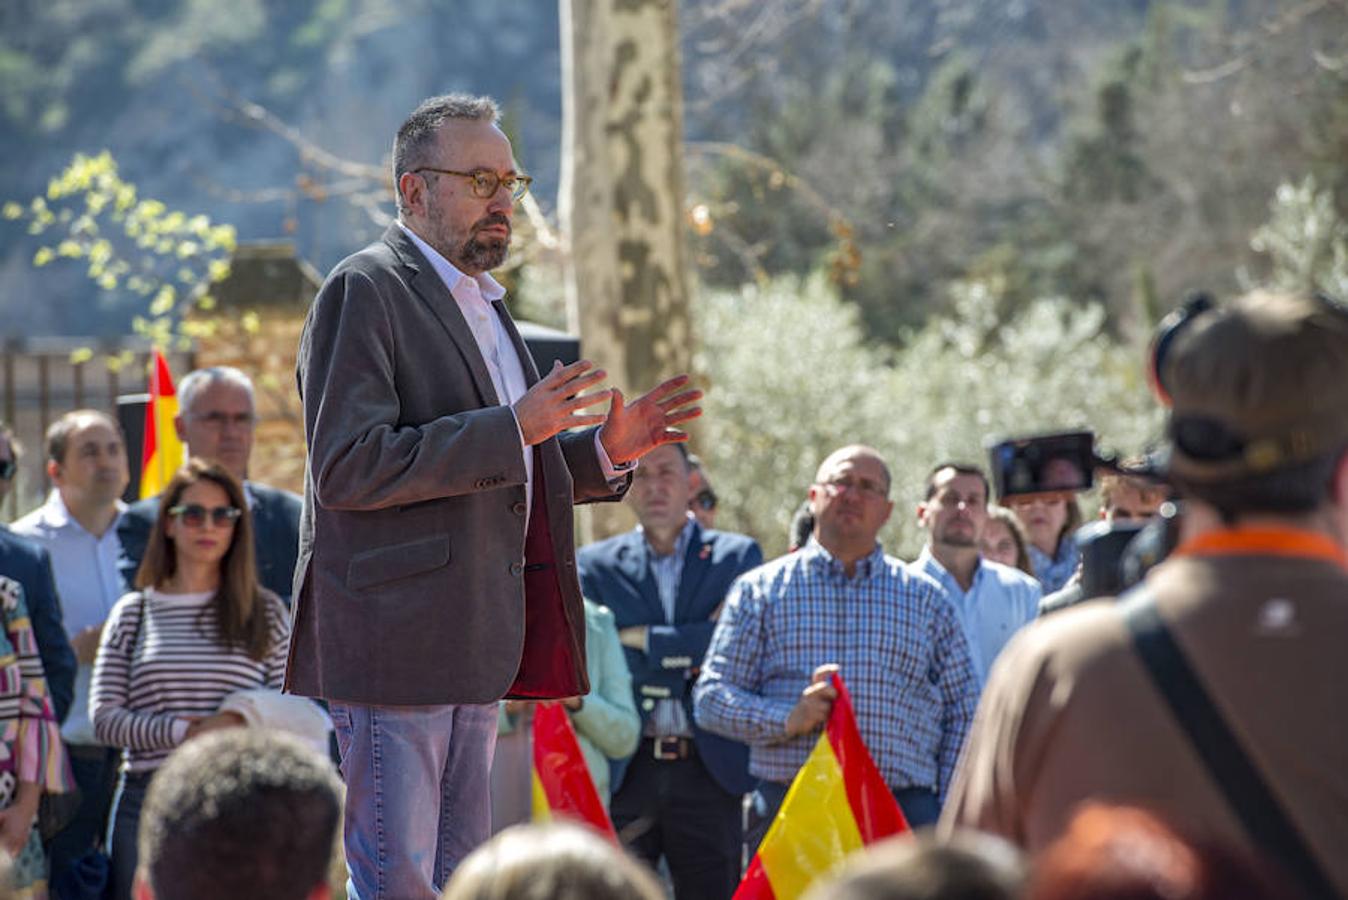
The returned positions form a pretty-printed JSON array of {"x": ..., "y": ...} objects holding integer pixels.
[{"x": 30, "y": 738}]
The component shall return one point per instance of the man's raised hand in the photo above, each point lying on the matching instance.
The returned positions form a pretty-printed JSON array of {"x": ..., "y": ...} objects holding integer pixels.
[
  {"x": 552, "y": 405},
  {"x": 630, "y": 431}
]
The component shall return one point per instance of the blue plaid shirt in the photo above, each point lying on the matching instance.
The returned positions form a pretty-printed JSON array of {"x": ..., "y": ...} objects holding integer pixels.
[{"x": 892, "y": 632}]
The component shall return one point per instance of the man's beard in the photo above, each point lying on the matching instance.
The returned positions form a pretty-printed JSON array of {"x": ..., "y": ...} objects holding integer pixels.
[
  {"x": 485, "y": 253},
  {"x": 475, "y": 253}
]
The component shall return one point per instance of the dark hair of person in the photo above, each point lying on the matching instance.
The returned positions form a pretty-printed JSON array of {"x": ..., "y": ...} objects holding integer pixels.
[
  {"x": 1292, "y": 490},
  {"x": 240, "y": 606},
  {"x": 915, "y": 866},
  {"x": 59, "y": 432},
  {"x": 1012, "y": 522},
  {"x": 960, "y": 469},
  {"x": 240, "y": 813},
  {"x": 557, "y": 861},
  {"x": 1074, "y": 520},
  {"x": 1129, "y": 853},
  {"x": 416, "y": 139},
  {"x": 802, "y": 526}
]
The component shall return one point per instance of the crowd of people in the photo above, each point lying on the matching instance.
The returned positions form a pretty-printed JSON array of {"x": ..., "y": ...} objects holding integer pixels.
[{"x": 176, "y": 666}]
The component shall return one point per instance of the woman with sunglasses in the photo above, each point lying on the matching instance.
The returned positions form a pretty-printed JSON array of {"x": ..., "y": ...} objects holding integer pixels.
[{"x": 198, "y": 629}]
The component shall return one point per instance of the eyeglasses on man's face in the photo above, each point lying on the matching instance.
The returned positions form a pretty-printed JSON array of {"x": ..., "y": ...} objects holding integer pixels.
[
  {"x": 485, "y": 183},
  {"x": 864, "y": 486},
  {"x": 221, "y": 420},
  {"x": 194, "y": 515}
]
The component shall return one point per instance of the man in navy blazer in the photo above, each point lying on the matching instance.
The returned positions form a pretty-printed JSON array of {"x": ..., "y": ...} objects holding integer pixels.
[
  {"x": 216, "y": 420},
  {"x": 679, "y": 796},
  {"x": 29, "y": 565}
]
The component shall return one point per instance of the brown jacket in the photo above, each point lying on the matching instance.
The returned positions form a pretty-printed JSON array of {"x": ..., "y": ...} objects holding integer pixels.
[
  {"x": 1069, "y": 713},
  {"x": 409, "y": 588}
]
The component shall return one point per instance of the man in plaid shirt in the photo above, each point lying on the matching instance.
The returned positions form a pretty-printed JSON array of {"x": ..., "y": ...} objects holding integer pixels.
[{"x": 840, "y": 604}]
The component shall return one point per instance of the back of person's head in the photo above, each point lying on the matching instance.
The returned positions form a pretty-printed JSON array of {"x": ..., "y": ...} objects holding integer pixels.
[
  {"x": 969, "y": 866},
  {"x": 239, "y": 813},
  {"x": 1128, "y": 853},
  {"x": 550, "y": 862},
  {"x": 1257, "y": 421}
]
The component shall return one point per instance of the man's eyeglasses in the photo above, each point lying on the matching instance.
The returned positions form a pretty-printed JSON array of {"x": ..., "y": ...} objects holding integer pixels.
[
  {"x": 866, "y": 487},
  {"x": 218, "y": 420},
  {"x": 194, "y": 515},
  {"x": 486, "y": 183},
  {"x": 7, "y": 469},
  {"x": 705, "y": 499}
]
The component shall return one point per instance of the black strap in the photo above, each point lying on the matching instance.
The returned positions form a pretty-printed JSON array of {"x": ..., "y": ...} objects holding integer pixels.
[{"x": 1231, "y": 769}]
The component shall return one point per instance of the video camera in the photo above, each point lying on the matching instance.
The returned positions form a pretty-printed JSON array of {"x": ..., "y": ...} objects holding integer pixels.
[{"x": 1113, "y": 556}]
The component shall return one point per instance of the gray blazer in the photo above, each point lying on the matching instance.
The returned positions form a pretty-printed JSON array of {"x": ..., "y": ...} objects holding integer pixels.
[{"x": 409, "y": 588}]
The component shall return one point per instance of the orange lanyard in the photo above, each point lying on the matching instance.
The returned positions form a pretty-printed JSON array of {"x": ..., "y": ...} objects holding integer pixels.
[{"x": 1265, "y": 542}]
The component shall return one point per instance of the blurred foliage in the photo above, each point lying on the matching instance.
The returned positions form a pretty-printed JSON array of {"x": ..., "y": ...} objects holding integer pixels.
[
  {"x": 130, "y": 245},
  {"x": 1117, "y": 155},
  {"x": 1305, "y": 241},
  {"x": 792, "y": 377}
]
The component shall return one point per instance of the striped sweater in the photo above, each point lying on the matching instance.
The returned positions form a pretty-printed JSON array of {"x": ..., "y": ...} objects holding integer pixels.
[{"x": 151, "y": 674}]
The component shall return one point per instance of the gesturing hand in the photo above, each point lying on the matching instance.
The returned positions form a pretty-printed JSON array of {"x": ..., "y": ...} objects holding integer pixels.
[
  {"x": 631, "y": 431},
  {"x": 550, "y": 406}
]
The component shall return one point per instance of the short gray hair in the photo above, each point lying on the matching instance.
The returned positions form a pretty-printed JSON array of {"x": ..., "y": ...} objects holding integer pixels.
[
  {"x": 198, "y": 380},
  {"x": 416, "y": 136}
]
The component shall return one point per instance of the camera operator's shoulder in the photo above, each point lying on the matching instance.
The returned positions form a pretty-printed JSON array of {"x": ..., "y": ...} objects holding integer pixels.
[{"x": 1088, "y": 638}]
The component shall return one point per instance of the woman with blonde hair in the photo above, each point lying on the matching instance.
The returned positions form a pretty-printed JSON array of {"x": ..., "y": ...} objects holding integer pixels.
[{"x": 198, "y": 628}]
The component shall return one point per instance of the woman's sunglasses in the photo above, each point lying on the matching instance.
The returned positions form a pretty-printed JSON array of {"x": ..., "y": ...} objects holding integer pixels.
[{"x": 193, "y": 515}]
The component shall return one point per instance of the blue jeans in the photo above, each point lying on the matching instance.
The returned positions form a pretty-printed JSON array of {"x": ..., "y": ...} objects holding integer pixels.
[
  {"x": 123, "y": 848},
  {"x": 417, "y": 794},
  {"x": 920, "y": 807}
]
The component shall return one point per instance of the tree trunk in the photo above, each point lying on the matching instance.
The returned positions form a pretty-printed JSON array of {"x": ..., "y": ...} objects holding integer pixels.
[{"x": 622, "y": 193}]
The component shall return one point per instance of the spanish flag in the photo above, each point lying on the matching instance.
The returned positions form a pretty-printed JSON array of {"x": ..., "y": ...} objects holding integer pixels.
[
  {"x": 161, "y": 453},
  {"x": 562, "y": 786},
  {"x": 837, "y": 804}
]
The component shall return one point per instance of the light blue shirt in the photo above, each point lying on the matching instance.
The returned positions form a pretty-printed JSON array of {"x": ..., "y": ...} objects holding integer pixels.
[
  {"x": 668, "y": 718},
  {"x": 1000, "y": 601},
  {"x": 88, "y": 582}
]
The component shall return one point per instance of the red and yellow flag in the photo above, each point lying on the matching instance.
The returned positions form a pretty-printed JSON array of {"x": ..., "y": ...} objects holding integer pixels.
[
  {"x": 161, "y": 453},
  {"x": 562, "y": 786},
  {"x": 837, "y": 804}
]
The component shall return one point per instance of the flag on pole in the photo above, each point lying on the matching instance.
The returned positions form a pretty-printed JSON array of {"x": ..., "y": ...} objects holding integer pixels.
[
  {"x": 161, "y": 452},
  {"x": 562, "y": 787},
  {"x": 837, "y": 804}
]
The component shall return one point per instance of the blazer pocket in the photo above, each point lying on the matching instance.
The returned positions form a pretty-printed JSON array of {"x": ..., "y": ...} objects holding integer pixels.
[{"x": 396, "y": 561}]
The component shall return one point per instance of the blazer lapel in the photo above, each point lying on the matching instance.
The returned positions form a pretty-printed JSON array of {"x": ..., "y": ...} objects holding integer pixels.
[
  {"x": 696, "y": 565},
  {"x": 431, "y": 290},
  {"x": 521, "y": 348},
  {"x": 634, "y": 561}
]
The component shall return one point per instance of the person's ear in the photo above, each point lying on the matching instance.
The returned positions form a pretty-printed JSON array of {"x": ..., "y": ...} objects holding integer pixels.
[
  {"x": 54, "y": 471},
  {"x": 922, "y": 514},
  {"x": 178, "y": 427},
  {"x": 412, "y": 188}
]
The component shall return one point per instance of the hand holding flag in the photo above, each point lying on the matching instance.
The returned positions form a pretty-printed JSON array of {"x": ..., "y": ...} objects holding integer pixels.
[{"x": 837, "y": 804}]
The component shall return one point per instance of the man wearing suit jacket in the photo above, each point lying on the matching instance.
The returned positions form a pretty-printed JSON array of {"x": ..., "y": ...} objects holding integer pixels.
[
  {"x": 216, "y": 420},
  {"x": 680, "y": 795},
  {"x": 30, "y": 565},
  {"x": 437, "y": 566}
]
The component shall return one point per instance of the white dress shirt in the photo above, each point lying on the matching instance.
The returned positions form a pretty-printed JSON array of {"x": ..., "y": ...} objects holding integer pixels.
[{"x": 476, "y": 296}]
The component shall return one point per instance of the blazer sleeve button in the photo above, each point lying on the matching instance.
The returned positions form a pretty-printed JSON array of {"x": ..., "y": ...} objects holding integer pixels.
[
  {"x": 518, "y": 508},
  {"x": 516, "y": 569}
]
